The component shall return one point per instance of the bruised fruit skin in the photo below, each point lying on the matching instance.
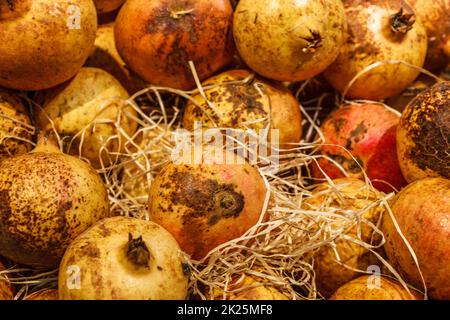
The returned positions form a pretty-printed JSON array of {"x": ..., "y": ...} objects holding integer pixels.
[
  {"x": 378, "y": 30},
  {"x": 5, "y": 289},
  {"x": 207, "y": 204},
  {"x": 368, "y": 132},
  {"x": 355, "y": 196},
  {"x": 38, "y": 49},
  {"x": 15, "y": 124},
  {"x": 104, "y": 6},
  {"x": 157, "y": 39},
  {"x": 106, "y": 57},
  {"x": 87, "y": 108},
  {"x": 289, "y": 40},
  {"x": 364, "y": 288},
  {"x": 125, "y": 258},
  {"x": 47, "y": 198},
  {"x": 422, "y": 213},
  {"x": 436, "y": 18},
  {"x": 424, "y": 135},
  {"x": 44, "y": 294},
  {"x": 242, "y": 103}
]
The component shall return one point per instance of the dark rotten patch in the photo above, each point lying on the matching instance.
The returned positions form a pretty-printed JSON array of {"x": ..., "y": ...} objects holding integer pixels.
[
  {"x": 427, "y": 119},
  {"x": 205, "y": 198}
]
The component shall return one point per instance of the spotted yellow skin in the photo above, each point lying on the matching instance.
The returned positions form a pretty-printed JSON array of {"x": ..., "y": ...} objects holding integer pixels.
[
  {"x": 424, "y": 135},
  {"x": 39, "y": 50},
  {"x": 358, "y": 289},
  {"x": 107, "y": 273},
  {"x": 5, "y": 289},
  {"x": 15, "y": 124},
  {"x": 272, "y": 36},
  {"x": 91, "y": 103},
  {"x": 243, "y": 106},
  {"x": 330, "y": 275},
  {"x": 47, "y": 198},
  {"x": 44, "y": 294},
  {"x": 371, "y": 39}
]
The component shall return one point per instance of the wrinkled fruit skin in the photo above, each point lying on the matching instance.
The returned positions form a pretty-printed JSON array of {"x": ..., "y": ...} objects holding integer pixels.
[
  {"x": 106, "y": 57},
  {"x": 46, "y": 200},
  {"x": 289, "y": 40},
  {"x": 330, "y": 275},
  {"x": 371, "y": 39},
  {"x": 44, "y": 294},
  {"x": 107, "y": 273},
  {"x": 206, "y": 205},
  {"x": 424, "y": 135},
  {"x": 15, "y": 124},
  {"x": 368, "y": 132},
  {"x": 242, "y": 103},
  {"x": 361, "y": 289},
  {"x": 435, "y": 17},
  {"x": 157, "y": 39},
  {"x": 422, "y": 213},
  {"x": 38, "y": 49},
  {"x": 105, "y": 6}
]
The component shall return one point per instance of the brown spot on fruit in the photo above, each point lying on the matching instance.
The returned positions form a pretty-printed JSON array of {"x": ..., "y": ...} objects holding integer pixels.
[
  {"x": 91, "y": 250},
  {"x": 105, "y": 231},
  {"x": 396, "y": 37},
  {"x": 5, "y": 209},
  {"x": 104, "y": 279},
  {"x": 339, "y": 124},
  {"x": 358, "y": 133},
  {"x": 15, "y": 124},
  {"x": 355, "y": 166},
  {"x": 158, "y": 39},
  {"x": 424, "y": 132},
  {"x": 46, "y": 63},
  {"x": 206, "y": 197},
  {"x": 361, "y": 137},
  {"x": 47, "y": 199},
  {"x": 206, "y": 205},
  {"x": 253, "y": 104}
]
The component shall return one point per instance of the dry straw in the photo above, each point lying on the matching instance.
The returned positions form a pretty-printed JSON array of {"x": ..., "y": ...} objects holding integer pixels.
[{"x": 279, "y": 251}]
